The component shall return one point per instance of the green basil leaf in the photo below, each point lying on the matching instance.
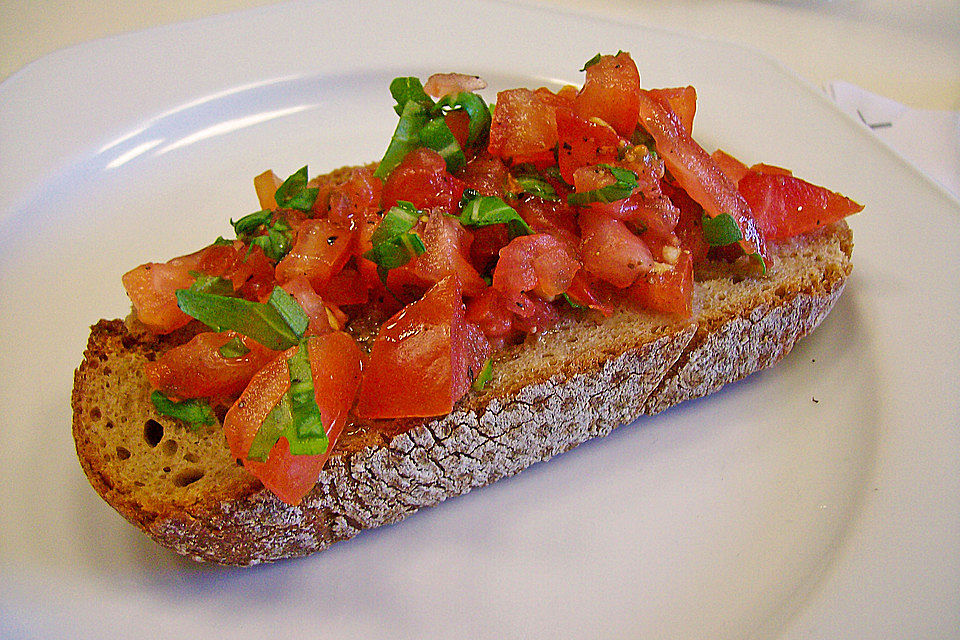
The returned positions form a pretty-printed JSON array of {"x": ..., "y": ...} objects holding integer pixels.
[
  {"x": 394, "y": 244},
  {"x": 537, "y": 186},
  {"x": 405, "y": 138},
  {"x": 436, "y": 135},
  {"x": 294, "y": 193},
  {"x": 409, "y": 89},
  {"x": 626, "y": 182},
  {"x": 486, "y": 373},
  {"x": 248, "y": 224},
  {"x": 276, "y": 242},
  {"x": 476, "y": 108},
  {"x": 296, "y": 416},
  {"x": 233, "y": 348},
  {"x": 483, "y": 211},
  {"x": 592, "y": 61},
  {"x": 721, "y": 230},
  {"x": 195, "y": 412},
  {"x": 277, "y": 324}
]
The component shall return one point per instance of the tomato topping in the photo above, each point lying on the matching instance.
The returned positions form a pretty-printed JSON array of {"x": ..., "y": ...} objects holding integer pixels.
[
  {"x": 583, "y": 143},
  {"x": 424, "y": 358},
  {"x": 486, "y": 174},
  {"x": 539, "y": 263},
  {"x": 667, "y": 292},
  {"x": 786, "y": 206},
  {"x": 695, "y": 171},
  {"x": 321, "y": 250},
  {"x": 448, "y": 248},
  {"x": 609, "y": 250},
  {"x": 683, "y": 101},
  {"x": 422, "y": 179},
  {"x": 197, "y": 369},
  {"x": 152, "y": 289},
  {"x": 335, "y": 367},
  {"x": 357, "y": 201},
  {"x": 610, "y": 93},
  {"x": 323, "y": 319},
  {"x": 524, "y": 128}
]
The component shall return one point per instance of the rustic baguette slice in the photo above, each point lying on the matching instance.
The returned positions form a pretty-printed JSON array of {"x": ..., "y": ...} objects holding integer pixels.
[{"x": 578, "y": 381}]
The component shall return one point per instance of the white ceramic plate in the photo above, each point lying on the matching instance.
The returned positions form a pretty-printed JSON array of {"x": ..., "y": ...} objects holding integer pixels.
[{"x": 818, "y": 499}]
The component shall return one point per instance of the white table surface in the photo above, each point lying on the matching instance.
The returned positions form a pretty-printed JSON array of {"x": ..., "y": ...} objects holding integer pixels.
[{"x": 908, "y": 51}]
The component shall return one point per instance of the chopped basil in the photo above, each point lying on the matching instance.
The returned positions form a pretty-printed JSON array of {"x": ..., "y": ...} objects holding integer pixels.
[
  {"x": 482, "y": 211},
  {"x": 296, "y": 416},
  {"x": 277, "y": 324},
  {"x": 721, "y": 230},
  {"x": 436, "y": 135},
  {"x": 486, "y": 373},
  {"x": 537, "y": 186},
  {"x": 234, "y": 348},
  {"x": 195, "y": 412},
  {"x": 409, "y": 89},
  {"x": 405, "y": 138},
  {"x": 572, "y": 302},
  {"x": 394, "y": 244},
  {"x": 216, "y": 285},
  {"x": 592, "y": 61},
  {"x": 277, "y": 240},
  {"x": 626, "y": 182},
  {"x": 294, "y": 193},
  {"x": 475, "y": 107}
]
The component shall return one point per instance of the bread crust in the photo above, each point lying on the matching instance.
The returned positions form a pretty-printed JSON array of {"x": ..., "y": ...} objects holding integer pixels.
[{"x": 580, "y": 381}]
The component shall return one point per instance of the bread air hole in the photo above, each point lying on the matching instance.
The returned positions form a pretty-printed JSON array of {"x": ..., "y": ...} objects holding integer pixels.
[
  {"x": 153, "y": 432},
  {"x": 187, "y": 477},
  {"x": 123, "y": 453},
  {"x": 169, "y": 447}
]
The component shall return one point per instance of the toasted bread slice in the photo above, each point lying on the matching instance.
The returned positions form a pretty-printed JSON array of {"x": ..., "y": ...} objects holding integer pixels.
[{"x": 580, "y": 380}]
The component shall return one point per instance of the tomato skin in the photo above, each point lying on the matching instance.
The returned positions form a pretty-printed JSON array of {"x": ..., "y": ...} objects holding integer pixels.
[
  {"x": 785, "y": 206},
  {"x": 539, "y": 263},
  {"x": 683, "y": 101},
  {"x": 152, "y": 289},
  {"x": 422, "y": 179},
  {"x": 695, "y": 171},
  {"x": 424, "y": 358},
  {"x": 335, "y": 365},
  {"x": 670, "y": 292},
  {"x": 197, "y": 370},
  {"x": 320, "y": 250},
  {"x": 610, "y": 93},
  {"x": 610, "y": 251},
  {"x": 524, "y": 128}
]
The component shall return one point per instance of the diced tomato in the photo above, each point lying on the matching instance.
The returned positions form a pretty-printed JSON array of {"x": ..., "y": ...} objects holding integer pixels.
[
  {"x": 539, "y": 263},
  {"x": 785, "y": 206},
  {"x": 486, "y": 174},
  {"x": 524, "y": 128},
  {"x": 152, "y": 289},
  {"x": 447, "y": 249},
  {"x": 198, "y": 370},
  {"x": 336, "y": 369},
  {"x": 591, "y": 293},
  {"x": 555, "y": 218},
  {"x": 689, "y": 229},
  {"x": 668, "y": 292},
  {"x": 695, "y": 171},
  {"x": 731, "y": 167},
  {"x": 486, "y": 245},
  {"x": 357, "y": 200},
  {"x": 320, "y": 250},
  {"x": 422, "y": 179},
  {"x": 683, "y": 101},
  {"x": 583, "y": 143},
  {"x": 458, "y": 122},
  {"x": 492, "y": 313},
  {"x": 610, "y": 251},
  {"x": 424, "y": 358},
  {"x": 313, "y": 305},
  {"x": 610, "y": 93}
]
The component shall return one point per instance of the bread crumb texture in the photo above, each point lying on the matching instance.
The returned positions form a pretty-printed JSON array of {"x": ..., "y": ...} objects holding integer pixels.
[{"x": 579, "y": 380}]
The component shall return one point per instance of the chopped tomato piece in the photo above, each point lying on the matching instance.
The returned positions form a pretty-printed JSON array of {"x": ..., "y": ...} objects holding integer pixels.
[
  {"x": 683, "y": 101},
  {"x": 731, "y": 167},
  {"x": 610, "y": 251},
  {"x": 448, "y": 246},
  {"x": 323, "y": 318},
  {"x": 335, "y": 367},
  {"x": 486, "y": 174},
  {"x": 152, "y": 289},
  {"x": 524, "y": 128},
  {"x": 422, "y": 178},
  {"x": 610, "y": 93},
  {"x": 197, "y": 369},
  {"x": 786, "y": 206},
  {"x": 667, "y": 292},
  {"x": 458, "y": 121},
  {"x": 355, "y": 202},
  {"x": 321, "y": 250},
  {"x": 695, "y": 171},
  {"x": 583, "y": 143},
  {"x": 424, "y": 358},
  {"x": 539, "y": 263}
]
